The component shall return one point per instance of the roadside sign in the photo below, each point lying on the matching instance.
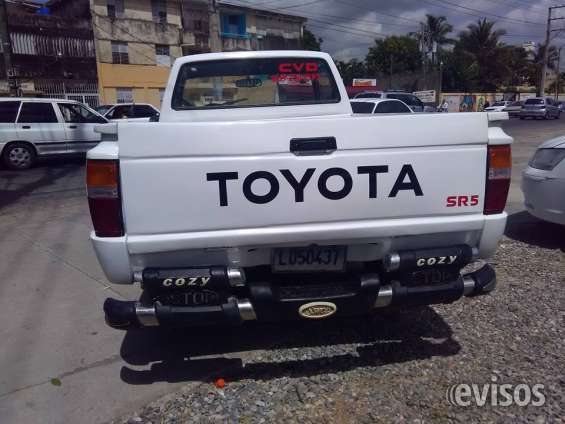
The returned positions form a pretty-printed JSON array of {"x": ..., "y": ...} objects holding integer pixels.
[
  {"x": 364, "y": 82},
  {"x": 427, "y": 96}
]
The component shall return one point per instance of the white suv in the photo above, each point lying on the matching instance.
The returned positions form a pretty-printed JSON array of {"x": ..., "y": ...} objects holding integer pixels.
[{"x": 32, "y": 127}]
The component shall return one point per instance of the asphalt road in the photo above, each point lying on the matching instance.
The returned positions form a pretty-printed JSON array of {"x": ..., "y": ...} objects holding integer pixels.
[{"x": 59, "y": 362}]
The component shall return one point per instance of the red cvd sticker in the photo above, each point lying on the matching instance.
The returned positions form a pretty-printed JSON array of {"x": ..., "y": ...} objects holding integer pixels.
[{"x": 286, "y": 68}]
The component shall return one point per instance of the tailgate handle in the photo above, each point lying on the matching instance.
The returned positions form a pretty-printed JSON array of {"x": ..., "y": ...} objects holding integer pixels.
[{"x": 313, "y": 146}]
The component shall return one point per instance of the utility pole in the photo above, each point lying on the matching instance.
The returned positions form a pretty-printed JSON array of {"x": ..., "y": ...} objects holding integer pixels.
[
  {"x": 558, "y": 75},
  {"x": 548, "y": 31},
  {"x": 214, "y": 22},
  {"x": 424, "y": 49},
  {"x": 7, "y": 48}
]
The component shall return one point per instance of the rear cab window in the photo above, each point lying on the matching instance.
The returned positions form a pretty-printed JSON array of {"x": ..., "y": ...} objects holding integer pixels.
[
  {"x": 222, "y": 84},
  {"x": 144, "y": 111},
  {"x": 9, "y": 111},
  {"x": 362, "y": 107},
  {"x": 392, "y": 106},
  {"x": 121, "y": 112},
  {"x": 534, "y": 102},
  {"x": 368, "y": 96}
]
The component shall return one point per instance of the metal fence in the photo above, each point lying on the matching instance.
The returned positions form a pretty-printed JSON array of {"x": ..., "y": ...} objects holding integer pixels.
[{"x": 81, "y": 91}]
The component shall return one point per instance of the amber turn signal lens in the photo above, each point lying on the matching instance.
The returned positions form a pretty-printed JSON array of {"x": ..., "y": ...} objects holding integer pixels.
[{"x": 101, "y": 173}]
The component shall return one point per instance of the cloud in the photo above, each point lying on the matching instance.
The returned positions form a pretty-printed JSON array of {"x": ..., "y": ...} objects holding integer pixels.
[{"x": 349, "y": 27}]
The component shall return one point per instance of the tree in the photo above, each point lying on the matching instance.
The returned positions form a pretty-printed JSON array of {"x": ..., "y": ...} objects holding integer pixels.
[
  {"x": 437, "y": 28},
  {"x": 517, "y": 66},
  {"x": 350, "y": 70},
  {"x": 536, "y": 67},
  {"x": 482, "y": 45},
  {"x": 553, "y": 86},
  {"x": 393, "y": 54},
  {"x": 310, "y": 42}
]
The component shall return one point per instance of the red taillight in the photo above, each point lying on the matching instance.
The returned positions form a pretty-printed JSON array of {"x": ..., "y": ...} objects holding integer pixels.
[
  {"x": 499, "y": 166},
  {"x": 102, "y": 182}
]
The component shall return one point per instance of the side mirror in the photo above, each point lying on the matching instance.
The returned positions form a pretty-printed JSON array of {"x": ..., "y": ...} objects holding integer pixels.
[{"x": 155, "y": 117}]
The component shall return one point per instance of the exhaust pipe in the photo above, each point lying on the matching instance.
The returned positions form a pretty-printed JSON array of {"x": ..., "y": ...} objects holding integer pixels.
[
  {"x": 475, "y": 283},
  {"x": 124, "y": 314}
]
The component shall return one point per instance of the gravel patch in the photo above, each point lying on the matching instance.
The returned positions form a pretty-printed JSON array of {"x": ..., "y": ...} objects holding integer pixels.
[{"x": 397, "y": 366}]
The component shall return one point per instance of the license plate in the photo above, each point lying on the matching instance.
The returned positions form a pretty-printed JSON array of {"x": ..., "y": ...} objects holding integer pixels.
[{"x": 312, "y": 258}]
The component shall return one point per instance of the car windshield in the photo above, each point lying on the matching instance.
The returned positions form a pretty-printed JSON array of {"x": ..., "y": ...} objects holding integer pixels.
[
  {"x": 499, "y": 104},
  {"x": 103, "y": 109},
  {"x": 534, "y": 102}
]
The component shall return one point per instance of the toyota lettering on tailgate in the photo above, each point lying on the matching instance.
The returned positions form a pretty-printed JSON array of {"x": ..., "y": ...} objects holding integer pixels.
[{"x": 406, "y": 180}]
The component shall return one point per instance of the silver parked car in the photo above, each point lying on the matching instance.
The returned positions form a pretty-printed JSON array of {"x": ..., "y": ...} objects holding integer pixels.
[
  {"x": 31, "y": 127},
  {"x": 379, "y": 106},
  {"x": 410, "y": 99},
  {"x": 514, "y": 109},
  {"x": 543, "y": 182},
  {"x": 540, "y": 107}
]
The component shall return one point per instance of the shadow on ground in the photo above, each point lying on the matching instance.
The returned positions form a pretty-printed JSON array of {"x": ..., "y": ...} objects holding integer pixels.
[
  {"x": 198, "y": 354},
  {"x": 524, "y": 227},
  {"x": 15, "y": 185}
]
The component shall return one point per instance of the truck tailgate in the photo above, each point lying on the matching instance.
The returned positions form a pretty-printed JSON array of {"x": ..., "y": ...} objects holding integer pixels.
[{"x": 196, "y": 177}]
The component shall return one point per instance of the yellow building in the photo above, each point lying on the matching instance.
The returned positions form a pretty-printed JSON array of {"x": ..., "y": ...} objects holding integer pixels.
[{"x": 136, "y": 43}]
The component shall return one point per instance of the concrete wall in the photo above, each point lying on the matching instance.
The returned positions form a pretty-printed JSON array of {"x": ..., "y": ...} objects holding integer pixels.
[
  {"x": 140, "y": 10},
  {"x": 144, "y": 80}
]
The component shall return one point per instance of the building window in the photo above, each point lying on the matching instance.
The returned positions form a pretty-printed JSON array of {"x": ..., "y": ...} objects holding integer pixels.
[
  {"x": 159, "y": 9},
  {"x": 124, "y": 95},
  {"x": 115, "y": 8},
  {"x": 233, "y": 25},
  {"x": 120, "y": 52},
  {"x": 162, "y": 55}
]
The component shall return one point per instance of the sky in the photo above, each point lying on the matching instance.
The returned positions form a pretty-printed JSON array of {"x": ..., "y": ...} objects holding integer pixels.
[{"x": 349, "y": 27}]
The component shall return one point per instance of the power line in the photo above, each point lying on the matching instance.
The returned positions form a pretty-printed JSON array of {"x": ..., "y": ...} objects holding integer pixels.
[{"x": 482, "y": 12}]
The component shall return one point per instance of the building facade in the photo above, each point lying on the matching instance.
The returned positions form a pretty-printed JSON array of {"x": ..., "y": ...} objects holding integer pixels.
[
  {"x": 119, "y": 51},
  {"x": 52, "y": 52},
  {"x": 136, "y": 43}
]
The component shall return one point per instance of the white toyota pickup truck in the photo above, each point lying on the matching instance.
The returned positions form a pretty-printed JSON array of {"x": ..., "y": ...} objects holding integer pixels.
[{"x": 260, "y": 196}]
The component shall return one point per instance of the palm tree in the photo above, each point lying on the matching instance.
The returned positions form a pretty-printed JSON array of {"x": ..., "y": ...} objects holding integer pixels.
[
  {"x": 537, "y": 64},
  {"x": 435, "y": 29},
  {"x": 481, "y": 42}
]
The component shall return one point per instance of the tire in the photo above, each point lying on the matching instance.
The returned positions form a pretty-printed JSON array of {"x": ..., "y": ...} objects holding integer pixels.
[
  {"x": 18, "y": 156},
  {"x": 546, "y": 116}
]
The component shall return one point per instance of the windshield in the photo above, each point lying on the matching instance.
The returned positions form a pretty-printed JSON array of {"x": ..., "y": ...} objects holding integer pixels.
[
  {"x": 103, "y": 109},
  {"x": 254, "y": 82},
  {"x": 534, "y": 102},
  {"x": 499, "y": 104}
]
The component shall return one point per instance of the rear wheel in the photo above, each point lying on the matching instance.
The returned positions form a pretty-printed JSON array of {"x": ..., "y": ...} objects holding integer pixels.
[{"x": 19, "y": 156}]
